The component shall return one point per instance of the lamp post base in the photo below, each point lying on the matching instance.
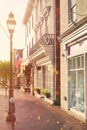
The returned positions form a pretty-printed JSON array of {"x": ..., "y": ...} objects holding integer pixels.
[
  {"x": 11, "y": 111},
  {"x": 9, "y": 117}
]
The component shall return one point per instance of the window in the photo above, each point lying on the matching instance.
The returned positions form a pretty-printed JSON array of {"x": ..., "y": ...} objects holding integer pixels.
[
  {"x": 76, "y": 74},
  {"x": 36, "y": 12},
  {"x": 32, "y": 21},
  {"x": 47, "y": 24},
  {"x": 30, "y": 27},
  {"x": 27, "y": 50},
  {"x": 40, "y": 30},
  {"x": 36, "y": 36},
  {"x": 40, "y": 5},
  {"x": 32, "y": 42},
  {"x": 47, "y": 77},
  {"x": 71, "y": 11},
  {"x": 27, "y": 30}
]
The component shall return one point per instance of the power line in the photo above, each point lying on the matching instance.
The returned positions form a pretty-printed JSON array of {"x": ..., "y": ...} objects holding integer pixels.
[{"x": 4, "y": 30}]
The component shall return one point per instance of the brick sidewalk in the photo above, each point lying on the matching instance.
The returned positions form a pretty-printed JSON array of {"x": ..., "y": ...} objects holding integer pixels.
[
  {"x": 3, "y": 113},
  {"x": 36, "y": 114}
]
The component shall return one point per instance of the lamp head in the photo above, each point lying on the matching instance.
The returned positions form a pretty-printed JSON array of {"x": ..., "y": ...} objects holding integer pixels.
[{"x": 11, "y": 23}]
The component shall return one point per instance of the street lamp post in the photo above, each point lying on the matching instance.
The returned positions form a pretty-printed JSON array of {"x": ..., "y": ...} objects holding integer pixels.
[{"x": 11, "y": 27}]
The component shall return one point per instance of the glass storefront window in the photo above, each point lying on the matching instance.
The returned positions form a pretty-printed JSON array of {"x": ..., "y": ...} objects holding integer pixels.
[
  {"x": 80, "y": 90},
  {"x": 73, "y": 63},
  {"x": 82, "y": 62},
  {"x": 78, "y": 62},
  {"x": 48, "y": 77},
  {"x": 73, "y": 89},
  {"x": 76, "y": 73}
]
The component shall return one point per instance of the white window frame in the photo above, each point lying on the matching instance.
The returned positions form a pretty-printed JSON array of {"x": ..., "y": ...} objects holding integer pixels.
[
  {"x": 72, "y": 17},
  {"x": 76, "y": 71}
]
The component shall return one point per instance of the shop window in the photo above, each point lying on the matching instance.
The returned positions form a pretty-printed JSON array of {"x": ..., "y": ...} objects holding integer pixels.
[
  {"x": 72, "y": 63},
  {"x": 76, "y": 74},
  {"x": 47, "y": 24}
]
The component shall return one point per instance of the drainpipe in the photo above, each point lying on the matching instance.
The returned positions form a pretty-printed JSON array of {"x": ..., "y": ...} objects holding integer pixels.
[{"x": 54, "y": 53}]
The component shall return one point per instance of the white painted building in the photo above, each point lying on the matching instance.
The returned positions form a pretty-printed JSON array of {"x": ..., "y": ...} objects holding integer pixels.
[{"x": 40, "y": 45}]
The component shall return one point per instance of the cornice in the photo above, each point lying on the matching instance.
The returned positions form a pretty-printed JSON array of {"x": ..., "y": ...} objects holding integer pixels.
[
  {"x": 74, "y": 28},
  {"x": 28, "y": 11}
]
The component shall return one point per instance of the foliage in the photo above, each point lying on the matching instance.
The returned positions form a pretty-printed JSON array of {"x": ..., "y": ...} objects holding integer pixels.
[
  {"x": 36, "y": 88},
  {"x": 44, "y": 92},
  {"x": 4, "y": 70}
]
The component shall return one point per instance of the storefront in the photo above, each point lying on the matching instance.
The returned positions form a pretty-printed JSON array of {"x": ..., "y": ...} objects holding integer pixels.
[
  {"x": 44, "y": 74},
  {"x": 76, "y": 83},
  {"x": 45, "y": 77},
  {"x": 74, "y": 73}
]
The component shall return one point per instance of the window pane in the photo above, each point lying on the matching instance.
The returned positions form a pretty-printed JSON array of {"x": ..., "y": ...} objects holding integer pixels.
[
  {"x": 72, "y": 63},
  {"x": 73, "y": 2},
  {"x": 71, "y": 10},
  {"x": 73, "y": 89},
  {"x": 80, "y": 90},
  {"x": 77, "y": 83},
  {"x": 74, "y": 13},
  {"x": 82, "y": 61},
  {"x": 78, "y": 62}
]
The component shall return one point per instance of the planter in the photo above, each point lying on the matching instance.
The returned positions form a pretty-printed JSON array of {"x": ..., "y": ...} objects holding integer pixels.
[
  {"x": 47, "y": 95},
  {"x": 38, "y": 91}
]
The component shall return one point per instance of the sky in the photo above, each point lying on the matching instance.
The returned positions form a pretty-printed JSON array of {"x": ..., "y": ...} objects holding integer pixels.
[{"x": 18, "y": 9}]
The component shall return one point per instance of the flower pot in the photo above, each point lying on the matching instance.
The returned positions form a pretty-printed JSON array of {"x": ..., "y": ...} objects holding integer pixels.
[
  {"x": 38, "y": 91},
  {"x": 47, "y": 95}
]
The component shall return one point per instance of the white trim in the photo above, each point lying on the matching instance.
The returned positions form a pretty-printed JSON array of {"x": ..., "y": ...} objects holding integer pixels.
[
  {"x": 77, "y": 114},
  {"x": 77, "y": 33},
  {"x": 25, "y": 62},
  {"x": 43, "y": 61},
  {"x": 85, "y": 85},
  {"x": 37, "y": 53},
  {"x": 73, "y": 111}
]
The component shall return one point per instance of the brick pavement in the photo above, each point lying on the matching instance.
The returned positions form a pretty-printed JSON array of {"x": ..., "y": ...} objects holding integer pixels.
[{"x": 36, "y": 114}]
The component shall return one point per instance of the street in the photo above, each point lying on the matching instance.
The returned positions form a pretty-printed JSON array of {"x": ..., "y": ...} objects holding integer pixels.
[{"x": 33, "y": 113}]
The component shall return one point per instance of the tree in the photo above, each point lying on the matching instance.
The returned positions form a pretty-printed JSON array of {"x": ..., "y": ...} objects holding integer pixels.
[{"x": 4, "y": 71}]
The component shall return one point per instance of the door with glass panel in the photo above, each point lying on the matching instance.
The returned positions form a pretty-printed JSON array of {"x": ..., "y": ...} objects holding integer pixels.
[{"x": 76, "y": 74}]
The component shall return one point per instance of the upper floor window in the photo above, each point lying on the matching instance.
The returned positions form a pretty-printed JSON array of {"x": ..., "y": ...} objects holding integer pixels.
[
  {"x": 47, "y": 24},
  {"x": 30, "y": 27},
  {"x": 40, "y": 5},
  {"x": 71, "y": 11},
  {"x": 32, "y": 21},
  {"x": 32, "y": 42},
  {"x": 35, "y": 36},
  {"x": 27, "y": 50},
  {"x": 40, "y": 31},
  {"x": 27, "y": 30},
  {"x": 36, "y": 12}
]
